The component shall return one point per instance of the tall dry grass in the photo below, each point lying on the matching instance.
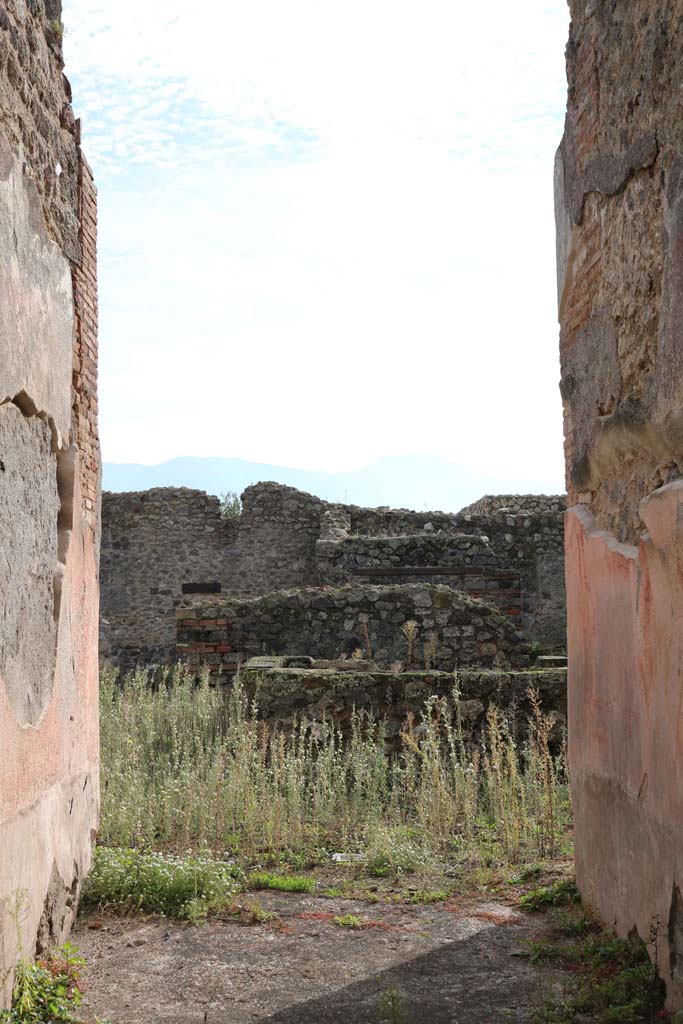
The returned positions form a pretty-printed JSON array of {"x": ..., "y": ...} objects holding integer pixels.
[{"x": 189, "y": 765}]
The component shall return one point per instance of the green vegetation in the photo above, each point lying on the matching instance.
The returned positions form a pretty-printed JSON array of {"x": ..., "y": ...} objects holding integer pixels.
[
  {"x": 391, "y": 1006},
  {"x": 558, "y": 894},
  {"x": 188, "y": 887},
  {"x": 424, "y": 897},
  {"x": 612, "y": 980},
  {"x": 188, "y": 766},
  {"x": 47, "y": 991},
  {"x": 253, "y": 913},
  {"x": 281, "y": 883},
  {"x": 231, "y": 505},
  {"x": 348, "y": 921}
]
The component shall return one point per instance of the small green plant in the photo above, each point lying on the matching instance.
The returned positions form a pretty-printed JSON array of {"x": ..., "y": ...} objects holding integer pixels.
[
  {"x": 558, "y": 894},
  {"x": 188, "y": 887},
  {"x": 255, "y": 913},
  {"x": 574, "y": 922},
  {"x": 333, "y": 893},
  {"x": 527, "y": 873},
  {"x": 614, "y": 982},
  {"x": 427, "y": 896},
  {"x": 347, "y": 921},
  {"x": 231, "y": 505},
  {"x": 47, "y": 991},
  {"x": 281, "y": 883},
  {"x": 57, "y": 29},
  {"x": 391, "y": 1006}
]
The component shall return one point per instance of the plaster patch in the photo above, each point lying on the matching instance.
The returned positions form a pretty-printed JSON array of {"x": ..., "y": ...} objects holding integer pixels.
[
  {"x": 34, "y": 526},
  {"x": 36, "y": 312}
]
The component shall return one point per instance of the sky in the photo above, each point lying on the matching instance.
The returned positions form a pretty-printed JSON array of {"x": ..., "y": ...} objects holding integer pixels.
[{"x": 326, "y": 229}]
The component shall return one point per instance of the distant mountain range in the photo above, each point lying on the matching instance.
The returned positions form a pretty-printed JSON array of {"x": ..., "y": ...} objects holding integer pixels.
[{"x": 420, "y": 482}]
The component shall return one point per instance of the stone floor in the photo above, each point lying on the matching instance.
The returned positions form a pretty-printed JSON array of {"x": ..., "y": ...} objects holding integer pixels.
[{"x": 444, "y": 963}]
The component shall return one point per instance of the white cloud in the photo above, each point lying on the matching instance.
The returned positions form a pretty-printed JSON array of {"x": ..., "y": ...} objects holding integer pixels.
[{"x": 326, "y": 229}]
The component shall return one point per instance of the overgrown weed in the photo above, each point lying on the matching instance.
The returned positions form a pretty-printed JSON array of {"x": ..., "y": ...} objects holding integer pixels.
[
  {"x": 188, "y": 766},
  {"x": 190, "y": 886},
  {"x": 47, "y": 991}
]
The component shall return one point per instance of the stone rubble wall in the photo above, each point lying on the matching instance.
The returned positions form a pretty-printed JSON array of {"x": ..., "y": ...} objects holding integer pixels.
[
  {"x": 517, "y": 504},
  {"x": 323, "y": 695},
  {"x": 619, "y": 213},
  {"x": 276, "y": 543},
  {"x": 155, "y": 541},
  {"x": 463, "y": 561},
  {"x": 520, "y": 559},
  {"x": 49, "y": 491},
  {"x": 318, "y": 622}
]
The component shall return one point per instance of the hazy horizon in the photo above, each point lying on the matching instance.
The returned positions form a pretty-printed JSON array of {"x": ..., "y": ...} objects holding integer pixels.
[{"x": 414, "y": 481}]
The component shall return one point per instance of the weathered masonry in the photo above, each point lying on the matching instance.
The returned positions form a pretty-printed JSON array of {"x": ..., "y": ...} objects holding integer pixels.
[
  {"x": 49, "y": 490},
  {"x": 619, "y": 206},
  {"x": 165, "y": 547}
]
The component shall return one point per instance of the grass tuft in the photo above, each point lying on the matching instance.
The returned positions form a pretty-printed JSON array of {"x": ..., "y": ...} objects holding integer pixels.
[
  {"x": 348, "y": 921},
  {"x": 281, "y": 883},
  {"x": 558, "y": 894}
]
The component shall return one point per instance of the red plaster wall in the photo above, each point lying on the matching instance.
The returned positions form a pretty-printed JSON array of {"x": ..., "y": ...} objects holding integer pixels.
[
  {"x": 619, "y": 208},
  {"x": 49, "y": 772}
]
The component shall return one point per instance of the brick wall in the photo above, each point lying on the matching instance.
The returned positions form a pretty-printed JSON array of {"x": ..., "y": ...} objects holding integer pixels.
[
  {"x": 84, "y": 274},
  {"x": 584, "y": 284}
]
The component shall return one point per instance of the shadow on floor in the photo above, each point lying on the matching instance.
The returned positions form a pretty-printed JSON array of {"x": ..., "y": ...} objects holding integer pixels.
[{"x": 471, "y": 981}]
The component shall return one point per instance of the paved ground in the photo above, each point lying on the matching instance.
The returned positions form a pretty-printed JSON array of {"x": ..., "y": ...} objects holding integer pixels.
[{"x": 445, "y": 963}]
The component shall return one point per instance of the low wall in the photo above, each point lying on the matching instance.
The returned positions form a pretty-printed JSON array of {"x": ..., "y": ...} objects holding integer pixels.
[
  {"x": 464, "y": 562},
  {"x": 320, "y": 622},
  {"x": 325, "y": 695}
]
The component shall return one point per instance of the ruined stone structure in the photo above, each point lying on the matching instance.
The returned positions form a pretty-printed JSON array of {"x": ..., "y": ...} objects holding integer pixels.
[
  {"x": 220, "y": 632},
  {"x": 619, "y": 206},
  {"x": 331, "y": 692},
  {"x": 157, "y": 544},
  {"x": 49, "y": 490}
]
